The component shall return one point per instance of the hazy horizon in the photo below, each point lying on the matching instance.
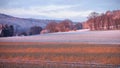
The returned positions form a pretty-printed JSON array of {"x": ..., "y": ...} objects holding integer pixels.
[{"x": 76, "y": 10}]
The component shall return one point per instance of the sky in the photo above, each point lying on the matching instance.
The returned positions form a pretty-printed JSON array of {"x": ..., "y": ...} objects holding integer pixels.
[{"x": 75, "y": 10}]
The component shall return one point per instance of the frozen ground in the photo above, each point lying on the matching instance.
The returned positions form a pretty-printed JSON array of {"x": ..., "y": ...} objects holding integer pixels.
[{"x": 80, "y": 36}]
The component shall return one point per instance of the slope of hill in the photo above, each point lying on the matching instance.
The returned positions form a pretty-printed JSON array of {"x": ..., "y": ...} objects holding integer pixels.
[{"x": 23, "y": 24}]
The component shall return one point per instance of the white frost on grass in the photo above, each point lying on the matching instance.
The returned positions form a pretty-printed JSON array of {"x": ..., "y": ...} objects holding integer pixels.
[{"x": 80, "y": 36}]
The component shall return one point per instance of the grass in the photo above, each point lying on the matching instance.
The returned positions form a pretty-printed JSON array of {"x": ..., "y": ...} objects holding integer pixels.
[{"x": 62, "y": 52}]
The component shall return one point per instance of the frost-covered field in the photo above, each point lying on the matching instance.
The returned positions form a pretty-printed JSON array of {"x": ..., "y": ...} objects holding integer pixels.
[
  {"x": 72, "y": 51},
  {"x": 80, "y": 36}
]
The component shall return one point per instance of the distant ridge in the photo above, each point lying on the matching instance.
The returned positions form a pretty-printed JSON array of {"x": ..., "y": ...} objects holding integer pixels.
[{"x": 23, "y": 24}]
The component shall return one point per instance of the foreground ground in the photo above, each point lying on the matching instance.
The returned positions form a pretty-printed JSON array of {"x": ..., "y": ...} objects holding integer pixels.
[
  {"x": 54, "y": 54},
  {"x": 77, "y": 49}
]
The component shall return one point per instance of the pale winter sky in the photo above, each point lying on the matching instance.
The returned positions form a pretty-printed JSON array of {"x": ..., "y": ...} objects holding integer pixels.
[{"x": 75, "y": 10}]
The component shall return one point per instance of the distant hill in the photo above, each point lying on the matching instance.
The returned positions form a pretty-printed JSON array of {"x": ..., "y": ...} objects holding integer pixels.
[{"x": 23, "y": 24}]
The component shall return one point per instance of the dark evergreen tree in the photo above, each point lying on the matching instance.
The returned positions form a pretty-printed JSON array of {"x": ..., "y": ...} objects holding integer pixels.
[
  {"x": 11, "y": 30},
  {"x": 35, "y": 30}
]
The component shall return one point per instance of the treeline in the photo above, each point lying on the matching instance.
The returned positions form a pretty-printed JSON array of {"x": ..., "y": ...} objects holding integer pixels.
[
  {"x": 31, "y": 31},
  {"x": 63, "y": 26},
  {"x": 6, "y": 30},
  {"x": 108, "y": 21}
]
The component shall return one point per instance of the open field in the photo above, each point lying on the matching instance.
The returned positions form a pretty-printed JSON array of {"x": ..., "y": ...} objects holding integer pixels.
[
  {"x": 59, "y": 54},
  {"x": 80, "y": 36},
  {"x": 75, "y": 49}
]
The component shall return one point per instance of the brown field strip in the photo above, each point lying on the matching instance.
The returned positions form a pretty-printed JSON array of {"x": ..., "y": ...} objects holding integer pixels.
[{"x": 52, "y": 51}]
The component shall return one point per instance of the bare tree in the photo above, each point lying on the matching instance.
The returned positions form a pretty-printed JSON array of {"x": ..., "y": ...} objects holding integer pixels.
[
  {"x": 92, "y": 18},
  {"x": 51, "y": 27},
  {"x": 65, "y": 25}
]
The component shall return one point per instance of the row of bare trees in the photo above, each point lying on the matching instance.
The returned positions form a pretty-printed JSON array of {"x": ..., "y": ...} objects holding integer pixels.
[
  {"x": 108, "y": 21},
  {"x": 63, "y": 26}
]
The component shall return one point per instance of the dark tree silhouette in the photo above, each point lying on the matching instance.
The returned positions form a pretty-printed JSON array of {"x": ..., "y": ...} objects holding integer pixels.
[
  {"x": 23, "y": 34},
  {"x": 6, "y": 31},
  {"x": 11, "y": 30},
  {"x": 77, "y": 26},
  {"x": 35, "y": 30}
]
